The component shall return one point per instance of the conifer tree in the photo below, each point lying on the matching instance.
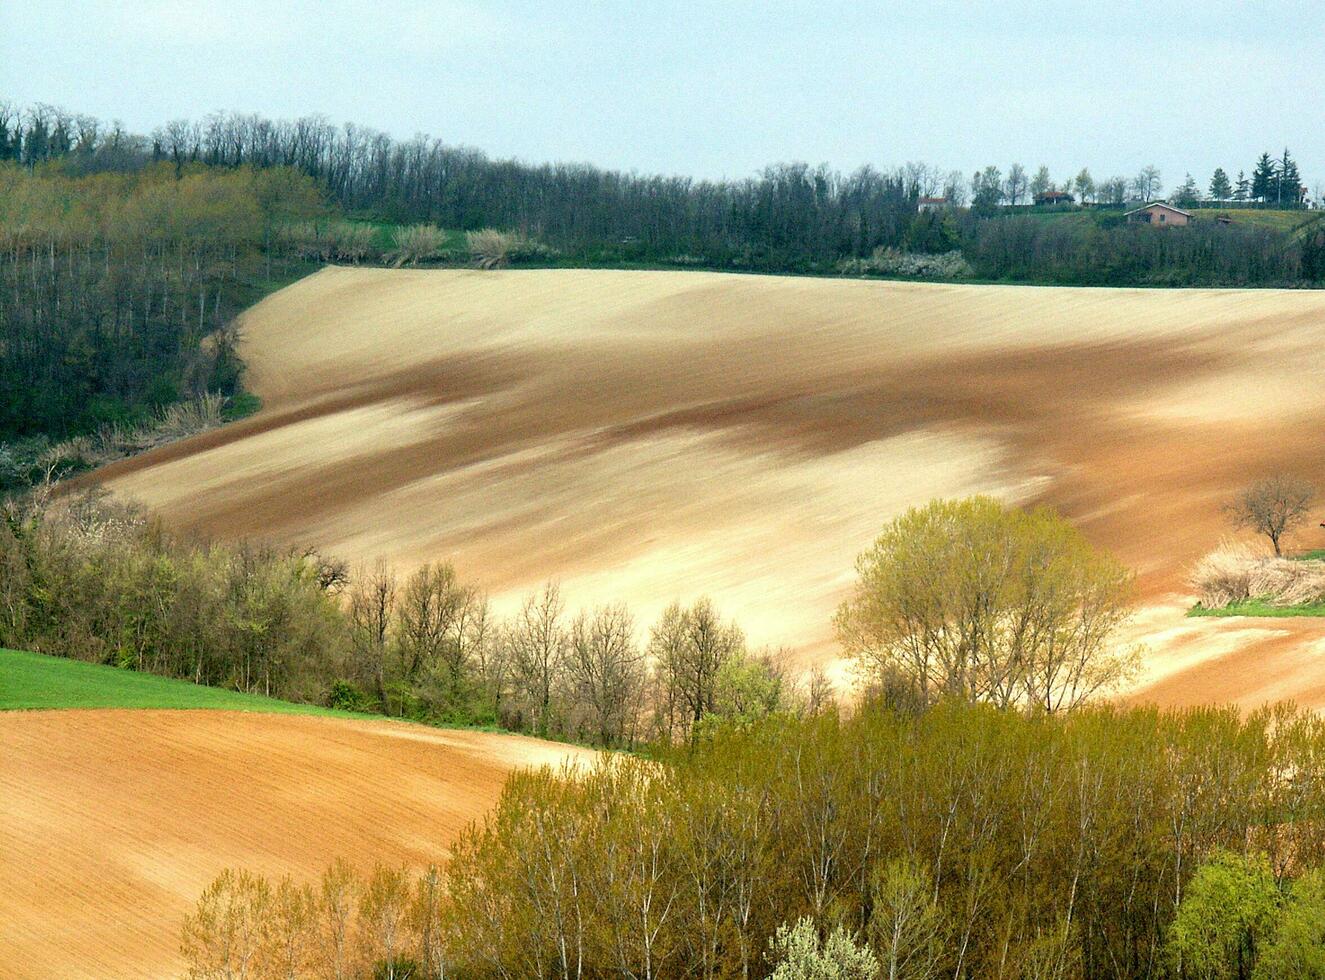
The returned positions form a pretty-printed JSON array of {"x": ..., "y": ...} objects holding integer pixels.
[
  {"x": 1220, "y": 188},
  {"x": 1187, "y": 192},
  {"x": 1287, "y": 182},
  {"x": 1262, "y": 179}
]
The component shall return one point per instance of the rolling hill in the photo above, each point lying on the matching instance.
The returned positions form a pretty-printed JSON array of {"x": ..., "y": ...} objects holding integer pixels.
[
  {"x": 648, "y": 436},
  {"x": 115, "y": 819}
]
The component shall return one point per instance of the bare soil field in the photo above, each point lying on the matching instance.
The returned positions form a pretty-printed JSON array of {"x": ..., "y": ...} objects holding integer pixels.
[
  {"x": 113, "y": 821},
  {"x": 649, "y": 436}
]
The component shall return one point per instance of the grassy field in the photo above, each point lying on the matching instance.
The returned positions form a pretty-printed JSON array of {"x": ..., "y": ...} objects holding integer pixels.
[
  {"x": 33, "y": 680},
  {"x": 1259, "y": 607}
]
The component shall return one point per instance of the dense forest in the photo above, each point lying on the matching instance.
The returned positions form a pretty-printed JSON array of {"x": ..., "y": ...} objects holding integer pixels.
[{"x": 117, "y": 289}]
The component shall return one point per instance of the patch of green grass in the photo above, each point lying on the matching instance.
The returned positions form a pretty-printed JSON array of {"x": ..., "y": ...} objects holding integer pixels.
[
  {"x": 1259, "y": 607},
  {"x": 1266, "y": 217},
  {"x": 1315, "y": 554},
  {"x": 34, "y": 680},
  {"x": 241, "y": 405}
]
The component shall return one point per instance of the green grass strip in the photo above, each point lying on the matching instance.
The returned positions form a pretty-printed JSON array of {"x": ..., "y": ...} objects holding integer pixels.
[
  {"x": 1259, "y": 607},
  {"x": 33, "y": 680}
]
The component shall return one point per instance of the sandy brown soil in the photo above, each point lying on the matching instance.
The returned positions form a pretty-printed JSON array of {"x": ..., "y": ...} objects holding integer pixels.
[
  {"x": 112, "y": 822},
  {"x": 651, "y": 435}
]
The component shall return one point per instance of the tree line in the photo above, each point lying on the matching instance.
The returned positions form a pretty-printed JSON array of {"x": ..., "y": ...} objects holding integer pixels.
[
  {"x": 956, "y": 840},
  {"x": 968, "y": 599},
  {"x": 791, "y": 217},
  {"x": 1276, "y": 182},
  {"x": 96, "y": 580}
]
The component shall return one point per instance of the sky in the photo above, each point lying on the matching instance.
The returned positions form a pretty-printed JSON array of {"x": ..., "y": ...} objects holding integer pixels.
[{"x": 714, "y": 89}]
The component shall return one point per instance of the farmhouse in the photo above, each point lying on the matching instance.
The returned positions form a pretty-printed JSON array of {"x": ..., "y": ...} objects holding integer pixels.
[
  {"x": 1054, "y": 197},
  {"x": 1160, "y": 213},
  {"x": 932, "y": 203}
]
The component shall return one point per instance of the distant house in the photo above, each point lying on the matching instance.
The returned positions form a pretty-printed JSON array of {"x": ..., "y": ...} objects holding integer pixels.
[
  {"x": 1159, "y": 213},
  {"x": 1054, "y": 197},
  {"x": 932, "y": 203}
]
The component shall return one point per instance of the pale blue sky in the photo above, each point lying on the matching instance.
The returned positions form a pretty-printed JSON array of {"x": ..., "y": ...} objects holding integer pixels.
[{"x": 718, "y": 88}]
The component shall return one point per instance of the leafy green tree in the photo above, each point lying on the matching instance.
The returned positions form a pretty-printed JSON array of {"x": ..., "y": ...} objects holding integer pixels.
[
  {"x": 1298, "y": 947},
  {"x": 1220, "y": 188},
  {"x": 986, "y": 190},
  {"x": 1085, "y": 185},
  {"x": 749, "y": 687},
  {"x": 1226, "y": 916},
  {"x": 1041, "y": 183},
  {"x": 976, "y": 600},
  {"x": 1113, "y": 190}
]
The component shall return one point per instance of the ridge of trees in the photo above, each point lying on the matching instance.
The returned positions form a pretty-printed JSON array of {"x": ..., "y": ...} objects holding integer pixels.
[{"x": 96, "y": 580}]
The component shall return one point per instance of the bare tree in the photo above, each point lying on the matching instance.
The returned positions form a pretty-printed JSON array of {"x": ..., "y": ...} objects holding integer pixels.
[
  {"x": 954, "y": 188},
  {"x": 1272, "y": 506},
  {"x": 605, "y": 671},
  {"x": 1146, "y": 184},
  {"x": 429, "y": 610},
  {"x": 689, "y": 647},
  {"x": 371, "y": 608},
  {"x": 921, "y": 179},
  {"x": 537, "y": 642}
]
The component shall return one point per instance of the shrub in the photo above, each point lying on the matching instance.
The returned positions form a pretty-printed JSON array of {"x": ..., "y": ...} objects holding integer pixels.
[
  {"x": 347, "y": 696},
  {"x": 891, "y": 262},
  {"x": 490, "y": 248},
  {"x": 800, "y": 955},
  {"x": 417, "y": 243},
  {"x": 117, "y": 440},
  {"x": 352, "y": 242},
  {"x": 1233, "y": 573},
  {"x": 493, "y": 249}
]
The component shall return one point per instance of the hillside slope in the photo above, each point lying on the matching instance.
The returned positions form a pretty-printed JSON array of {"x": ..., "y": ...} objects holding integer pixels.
[
  {"x": 113, "y": 821},
  {"x": 655, "y": 435}
]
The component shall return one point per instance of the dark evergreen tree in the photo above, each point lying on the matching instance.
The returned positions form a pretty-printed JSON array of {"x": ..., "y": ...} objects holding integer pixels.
[
  {"x": 1287, "y": 182},
  {"x": 1220, "y": 188},
  {"x": 1242, "y": 190},
  {"x": 1263, "y": 179}
]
